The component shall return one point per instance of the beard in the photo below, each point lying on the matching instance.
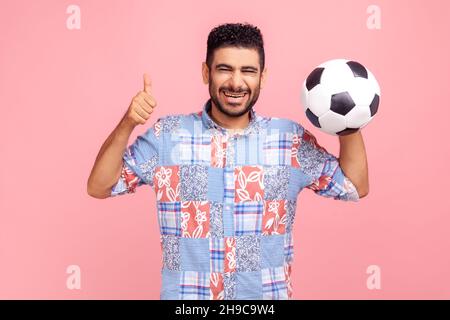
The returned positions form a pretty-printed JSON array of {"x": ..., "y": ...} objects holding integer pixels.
[{"x": 234, "y": 111}]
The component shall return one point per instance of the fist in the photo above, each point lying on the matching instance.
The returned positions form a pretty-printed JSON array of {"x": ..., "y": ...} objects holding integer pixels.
[{"x": 142, "y": 105}]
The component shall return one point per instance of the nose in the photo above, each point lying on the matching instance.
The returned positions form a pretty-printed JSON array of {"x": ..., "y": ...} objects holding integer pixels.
[{"x": 237, "y": 81}]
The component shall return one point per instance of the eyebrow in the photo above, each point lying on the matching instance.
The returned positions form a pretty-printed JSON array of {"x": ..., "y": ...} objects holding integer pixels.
[{"x": 224, "y": 65}]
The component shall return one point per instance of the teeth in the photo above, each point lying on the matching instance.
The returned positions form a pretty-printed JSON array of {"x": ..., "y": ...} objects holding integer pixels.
[{"x": 234, "y": 96}]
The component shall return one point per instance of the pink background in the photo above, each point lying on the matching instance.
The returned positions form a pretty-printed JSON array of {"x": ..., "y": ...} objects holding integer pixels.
[{"x": 63, "y": 91}]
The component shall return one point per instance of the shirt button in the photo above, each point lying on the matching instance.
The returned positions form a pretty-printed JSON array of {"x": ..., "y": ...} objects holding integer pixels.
[{"x": 227, "y": 207}]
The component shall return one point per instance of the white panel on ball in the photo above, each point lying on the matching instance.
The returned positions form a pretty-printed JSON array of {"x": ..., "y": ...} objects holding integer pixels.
[
  {"x": 358, "y": 116},
  {"x": 361, "y": 91},
  {"x": 365, "y": 124},
  {"x": 332, "y": 122},
  {"x": 337, "y": 76},
  {"x": 373, "y": 82},
  {"x": 319, "y": 100}
]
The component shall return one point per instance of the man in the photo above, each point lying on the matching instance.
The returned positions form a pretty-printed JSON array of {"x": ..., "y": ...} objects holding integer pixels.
[{"x": 226, "y": 179}]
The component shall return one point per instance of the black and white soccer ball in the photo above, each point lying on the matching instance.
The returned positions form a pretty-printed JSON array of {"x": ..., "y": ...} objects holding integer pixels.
[{"x": 340, "y": 96}]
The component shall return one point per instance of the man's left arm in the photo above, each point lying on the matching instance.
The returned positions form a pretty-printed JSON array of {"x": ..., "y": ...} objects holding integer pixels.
[{"x": 353, "y": 161}]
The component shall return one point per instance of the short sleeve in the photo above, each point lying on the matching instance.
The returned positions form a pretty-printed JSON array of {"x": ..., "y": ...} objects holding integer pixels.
[
  {"x": 326, "y": 176},
  {"x": 139, "y": 162}
]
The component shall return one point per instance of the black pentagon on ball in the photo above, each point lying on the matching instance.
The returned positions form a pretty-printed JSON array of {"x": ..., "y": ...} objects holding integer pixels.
[
  {"x": 374, "y": 105},
  {"x": 347, "y": 131},
  {"x": 313, "y": 118},
  {"x": 358, "y": 69},
  {"x": 342, "y": 103},
  {"x": 314, "y": 78}
]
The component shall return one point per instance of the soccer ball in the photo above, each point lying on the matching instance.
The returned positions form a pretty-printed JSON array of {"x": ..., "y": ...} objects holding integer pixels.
[{"x": 340, "y": 96}]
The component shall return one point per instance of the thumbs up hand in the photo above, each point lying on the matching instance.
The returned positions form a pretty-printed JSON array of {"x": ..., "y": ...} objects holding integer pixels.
[{"x": 141, "y": 105}]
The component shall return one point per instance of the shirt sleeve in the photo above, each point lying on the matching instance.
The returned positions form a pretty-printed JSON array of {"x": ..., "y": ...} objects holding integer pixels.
[
  {"x": 325, "y": 173},
  {"x": 139, "y": 162}
]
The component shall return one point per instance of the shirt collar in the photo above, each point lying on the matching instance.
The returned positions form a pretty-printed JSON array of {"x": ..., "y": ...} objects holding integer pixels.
[{"x": 211, "y": 124}]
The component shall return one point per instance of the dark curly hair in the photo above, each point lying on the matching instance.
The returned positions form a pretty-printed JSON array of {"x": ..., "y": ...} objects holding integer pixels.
[{"x": 241, "y": 35}]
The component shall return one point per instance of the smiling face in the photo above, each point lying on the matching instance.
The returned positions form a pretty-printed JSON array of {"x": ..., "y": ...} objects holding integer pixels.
[{"x": 234, "y": 80}]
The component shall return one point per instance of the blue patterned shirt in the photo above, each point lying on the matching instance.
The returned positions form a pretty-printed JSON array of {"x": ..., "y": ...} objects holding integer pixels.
[{"x": 226, "y": 201}]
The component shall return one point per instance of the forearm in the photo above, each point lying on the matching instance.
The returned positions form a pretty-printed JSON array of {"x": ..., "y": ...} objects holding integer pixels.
[
  {"x": 108, "y": 164},
  {"x": 353, "y": 161}
]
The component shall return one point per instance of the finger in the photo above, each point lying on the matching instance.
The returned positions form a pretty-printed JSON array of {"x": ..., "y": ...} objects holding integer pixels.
[
  {"x": 144, "y": 104},
  {"x": 143, "y": 114},
  {"x": 147, "y": 97},
  {"x": 138, "y": 111},
  {"x": 151, "y": 101},
  {"x": 147, "y": 83}
]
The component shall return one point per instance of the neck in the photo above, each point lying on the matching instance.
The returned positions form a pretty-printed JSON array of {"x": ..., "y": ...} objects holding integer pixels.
[{"x": 226, "y": 121}]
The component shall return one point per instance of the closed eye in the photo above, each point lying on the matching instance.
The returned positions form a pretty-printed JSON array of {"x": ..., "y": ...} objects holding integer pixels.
[{"x": 246, "y": 71}]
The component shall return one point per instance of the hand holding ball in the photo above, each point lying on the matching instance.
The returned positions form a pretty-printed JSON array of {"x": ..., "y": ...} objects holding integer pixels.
[{"x": 340, "y": 96}]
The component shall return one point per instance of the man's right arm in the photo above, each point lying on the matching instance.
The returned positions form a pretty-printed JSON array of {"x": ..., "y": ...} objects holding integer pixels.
[{"x": 109, "y": 162}]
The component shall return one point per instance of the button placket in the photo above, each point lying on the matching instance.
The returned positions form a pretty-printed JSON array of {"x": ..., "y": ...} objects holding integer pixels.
[{"x": 228, "y": 208}]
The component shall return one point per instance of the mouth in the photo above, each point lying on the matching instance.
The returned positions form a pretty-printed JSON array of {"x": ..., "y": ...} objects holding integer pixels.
[{"x": 234, "y": 98}]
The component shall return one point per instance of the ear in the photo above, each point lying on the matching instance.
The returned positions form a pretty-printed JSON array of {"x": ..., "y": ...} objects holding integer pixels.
[
  {"x": 263, "y": 77},
  {"x": 205, "y": 73}
]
